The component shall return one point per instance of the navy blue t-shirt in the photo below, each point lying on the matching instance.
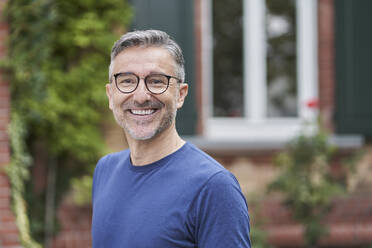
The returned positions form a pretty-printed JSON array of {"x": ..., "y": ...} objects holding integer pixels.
[{"x": 186, "y": 199}]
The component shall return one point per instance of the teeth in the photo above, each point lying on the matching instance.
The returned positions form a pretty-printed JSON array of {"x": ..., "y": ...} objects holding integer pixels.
[{"x": 142, "y": 111}]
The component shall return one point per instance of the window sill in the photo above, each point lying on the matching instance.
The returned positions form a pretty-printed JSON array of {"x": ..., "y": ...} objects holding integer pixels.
[
  {"x": 231, "y": 147},
  {"x": 274, "y": 130}
]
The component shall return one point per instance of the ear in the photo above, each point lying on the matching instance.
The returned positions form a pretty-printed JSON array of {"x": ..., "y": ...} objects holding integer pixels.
[
  {"x": 109, "y": 95},
  {"x": 183, "y": 90}
]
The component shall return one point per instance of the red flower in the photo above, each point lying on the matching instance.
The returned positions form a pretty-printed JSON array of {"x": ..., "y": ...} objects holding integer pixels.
[{"x": 314, "y": 103}]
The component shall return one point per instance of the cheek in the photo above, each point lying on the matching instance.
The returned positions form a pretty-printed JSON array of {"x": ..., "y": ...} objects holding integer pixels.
[{"x": 117, "y": 100}]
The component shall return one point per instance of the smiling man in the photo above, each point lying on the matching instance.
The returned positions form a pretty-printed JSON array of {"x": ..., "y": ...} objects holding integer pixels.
[{"x": 162, "y": 192}]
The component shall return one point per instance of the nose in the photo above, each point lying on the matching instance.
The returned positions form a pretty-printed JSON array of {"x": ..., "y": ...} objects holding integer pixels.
[{"x": 141, "y": 94}]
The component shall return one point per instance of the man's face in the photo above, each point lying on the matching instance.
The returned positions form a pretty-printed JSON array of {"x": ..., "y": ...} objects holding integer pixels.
[{"x": 142, "y": 114}]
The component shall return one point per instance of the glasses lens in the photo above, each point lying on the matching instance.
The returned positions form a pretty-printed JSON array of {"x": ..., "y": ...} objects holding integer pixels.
[
  {"x": 157, "y": 83},
  {"x": 126, "y": 82}
]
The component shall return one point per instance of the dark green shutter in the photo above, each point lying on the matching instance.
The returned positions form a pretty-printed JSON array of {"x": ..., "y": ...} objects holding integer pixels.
[
  {"x": 353, "y": 39},
  {"x": 176, "y": 17}
]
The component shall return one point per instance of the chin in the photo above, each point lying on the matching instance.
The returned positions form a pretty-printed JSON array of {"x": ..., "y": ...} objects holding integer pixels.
[
  {"x": 141, "y": 136},
  {"x": 147, "y": 133},
  {"x": 143, "y": 133}
]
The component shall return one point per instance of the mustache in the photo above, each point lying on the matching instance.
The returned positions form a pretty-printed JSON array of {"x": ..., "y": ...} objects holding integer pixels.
[{"x": 146, "y": 104}]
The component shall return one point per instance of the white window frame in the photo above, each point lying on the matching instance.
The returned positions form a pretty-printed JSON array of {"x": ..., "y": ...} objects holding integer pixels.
[{"x": 255, "y": 126}]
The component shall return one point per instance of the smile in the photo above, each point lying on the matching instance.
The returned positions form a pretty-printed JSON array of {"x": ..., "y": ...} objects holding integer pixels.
[{"x": 142, "y": 111}]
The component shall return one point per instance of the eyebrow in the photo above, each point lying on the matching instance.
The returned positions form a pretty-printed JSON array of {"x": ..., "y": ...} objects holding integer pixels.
[{"x": 131, "y": 72}]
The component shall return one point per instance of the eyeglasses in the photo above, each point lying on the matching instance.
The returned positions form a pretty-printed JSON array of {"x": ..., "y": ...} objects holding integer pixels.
[{"x": 155, "y": 83}]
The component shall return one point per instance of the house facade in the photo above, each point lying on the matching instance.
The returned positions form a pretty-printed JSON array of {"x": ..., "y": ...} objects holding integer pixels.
[
  {"x": 258, "y": 66},
  {"x": 263, "y": 72},
  {"x": 260, "y": 73}
]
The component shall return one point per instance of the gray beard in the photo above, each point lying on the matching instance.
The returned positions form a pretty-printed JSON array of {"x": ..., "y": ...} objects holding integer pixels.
[{"x": 165, "y": 123}]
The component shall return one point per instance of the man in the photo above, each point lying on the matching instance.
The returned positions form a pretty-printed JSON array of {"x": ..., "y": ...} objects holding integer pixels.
[{"x": 162, "y": 192}]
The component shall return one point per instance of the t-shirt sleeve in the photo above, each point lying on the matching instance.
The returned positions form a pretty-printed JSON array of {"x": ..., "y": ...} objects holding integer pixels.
[
  {"x": 221, "y": 214},
  {"x": 97, "y": 175}
]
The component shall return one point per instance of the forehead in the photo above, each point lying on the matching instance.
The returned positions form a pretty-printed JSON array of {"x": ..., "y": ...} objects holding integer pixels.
[{"x": 144, "y": 60}]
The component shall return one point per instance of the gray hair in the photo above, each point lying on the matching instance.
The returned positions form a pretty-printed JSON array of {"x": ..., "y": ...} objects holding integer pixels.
[{"x": 147, "y": 38}]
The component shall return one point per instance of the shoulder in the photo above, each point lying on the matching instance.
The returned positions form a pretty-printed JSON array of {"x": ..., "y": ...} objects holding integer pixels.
[
  {"x": 109, "y": 163},
  {"x": 195, "y": 167},
  {"x": 112, "y": 158},
  {"x": 222, "y": 179},
  {"x": 199, "y": 161},
  {"x": 221, "y": 214},
  {"x": 199, "y": 154},
  {"x": 205, "y": 173},
  {"x": 222, "y": 186}
]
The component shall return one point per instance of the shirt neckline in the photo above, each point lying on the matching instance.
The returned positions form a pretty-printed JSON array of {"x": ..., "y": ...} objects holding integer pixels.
[{"x": 161, "y": 162}]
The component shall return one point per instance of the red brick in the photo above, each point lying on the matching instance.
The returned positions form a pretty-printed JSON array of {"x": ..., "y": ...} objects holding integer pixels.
[
  {"x": 3, "y": 49},
  {"x": 3, "y": 34},
  {"x": 75, "y": 226},
  {"x": 4, "y": 155},
  {"x": 326, "y": 61},
  {"x": 4, "y": 122},
  {"x": 6, "y": 215},
  {"x": 4, "y": 204},
  {"x": 4, "y": 192},
  {"x": 4, "y": 159},
  {"x": 4, "y": 136},
  {"x": 9, "y": 239},
  {"x": 4, "y": 91},
  {"x": 3, "y": 82},
  {"x": 4, "y": 26},
  {"x": 8, "y": 227},
  {"x": 4, "y": 112},
  {"x": 3, "y": 178},
  {"x": 4, "y": 102},
  {"x": 4, "y": 147}
]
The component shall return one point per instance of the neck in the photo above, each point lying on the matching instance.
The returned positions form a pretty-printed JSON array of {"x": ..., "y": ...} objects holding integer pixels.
[{"x": 144, "y": 152}]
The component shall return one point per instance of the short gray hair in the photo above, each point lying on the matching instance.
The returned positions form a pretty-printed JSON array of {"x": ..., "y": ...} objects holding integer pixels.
[{"x": 147, "y": 38}]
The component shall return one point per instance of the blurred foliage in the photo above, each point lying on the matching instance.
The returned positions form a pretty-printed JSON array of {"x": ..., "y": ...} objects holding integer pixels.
[
  {"x": 82, "y": 190},
  {"x": 18, "y": 172},
  {"x": 259, "y": 237},
  {"x": 307, "y": 182},
  {"x": 257, "y": 234},
  {"x": 58, "y": 57}
]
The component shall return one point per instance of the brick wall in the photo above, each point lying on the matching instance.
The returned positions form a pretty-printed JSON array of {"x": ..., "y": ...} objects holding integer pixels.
[
  {"x": 349, "y": 223},
  {"x": 75, "y": 226},
  {"x": 9, "y": 236},
  {"x": 326, "y": 63},
  {"x": 350, "y": 218}
]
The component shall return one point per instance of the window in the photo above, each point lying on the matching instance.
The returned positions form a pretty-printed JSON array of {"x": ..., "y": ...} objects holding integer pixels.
[{"x": 259, "y": 68}]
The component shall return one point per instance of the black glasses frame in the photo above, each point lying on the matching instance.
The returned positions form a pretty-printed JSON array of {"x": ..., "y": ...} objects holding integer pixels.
[{"x": 145, "y": 81}]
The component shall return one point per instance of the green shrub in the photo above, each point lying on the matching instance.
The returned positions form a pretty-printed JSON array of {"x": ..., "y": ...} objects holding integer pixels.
[
  {"x": 57, "y": 62},
  {"x": 307, "y": 183}
]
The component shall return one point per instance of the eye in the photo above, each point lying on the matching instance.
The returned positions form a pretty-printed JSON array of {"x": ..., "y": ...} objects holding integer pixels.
[
  {"x": 156, "y": 80},
  {"x": 127, "y": 80}
]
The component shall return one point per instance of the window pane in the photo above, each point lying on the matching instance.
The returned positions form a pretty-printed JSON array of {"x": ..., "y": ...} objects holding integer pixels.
[
  {"x": 281, "y": 58},
  {"x": 227, "y": 58}
]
